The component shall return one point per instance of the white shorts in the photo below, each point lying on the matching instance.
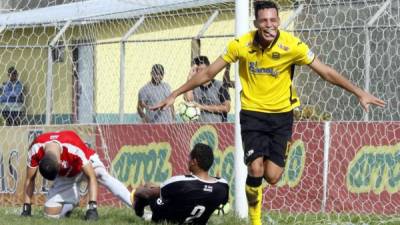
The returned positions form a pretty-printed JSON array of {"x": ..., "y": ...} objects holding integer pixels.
[
  {"x": 65, "y": 190},
  {"x": 95, "y": 160}
]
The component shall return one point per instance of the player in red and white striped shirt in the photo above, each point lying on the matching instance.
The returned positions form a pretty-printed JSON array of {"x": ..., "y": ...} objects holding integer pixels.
[{"x": 66, "y": 159}]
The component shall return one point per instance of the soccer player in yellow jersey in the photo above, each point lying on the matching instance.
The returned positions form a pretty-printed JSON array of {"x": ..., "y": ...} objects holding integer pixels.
[{"x": 266, "y": 63}]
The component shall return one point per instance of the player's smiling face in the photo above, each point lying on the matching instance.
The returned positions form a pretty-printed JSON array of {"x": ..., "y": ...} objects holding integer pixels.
[{"x": 267, "y": 23}]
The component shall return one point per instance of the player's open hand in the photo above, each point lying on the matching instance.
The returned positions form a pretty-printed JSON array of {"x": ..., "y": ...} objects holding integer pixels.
[
  {"x": 366, "y": 99},
  {"x": 164, "y": 103}
]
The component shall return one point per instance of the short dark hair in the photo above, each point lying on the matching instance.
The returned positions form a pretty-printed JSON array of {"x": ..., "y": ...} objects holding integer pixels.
[
  {"x": 12, "y": 70},
  {"x": 204, "y": 156},
  {"x": 201, "y": 60},
  {"x": 259, "y": 5},
  {"x": 157, "y": 69},
  {"x": 48, "y": 166}
]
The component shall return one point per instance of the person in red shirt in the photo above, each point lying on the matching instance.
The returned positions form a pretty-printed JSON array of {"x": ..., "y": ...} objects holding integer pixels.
[{"x": 65, "y": 159}]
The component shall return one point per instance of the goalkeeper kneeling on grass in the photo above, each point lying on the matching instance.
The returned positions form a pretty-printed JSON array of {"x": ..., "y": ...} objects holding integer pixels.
[
  {"x": 65, "y": 159},
  {"x": 188, "y": 199}
]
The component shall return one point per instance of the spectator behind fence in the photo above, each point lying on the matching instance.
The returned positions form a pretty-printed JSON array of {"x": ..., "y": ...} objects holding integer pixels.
[
  {"x": 12, "y": 98},
  {"x": 152, "y": 93},
  {"x": 212, "y": 97}
]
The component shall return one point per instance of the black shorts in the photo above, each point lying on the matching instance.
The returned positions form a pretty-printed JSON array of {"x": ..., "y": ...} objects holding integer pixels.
[{"x": 266, "y": 135}]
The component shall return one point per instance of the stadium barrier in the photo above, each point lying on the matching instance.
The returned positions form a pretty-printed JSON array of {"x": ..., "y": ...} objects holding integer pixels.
[{"x": 363, "y": 161}]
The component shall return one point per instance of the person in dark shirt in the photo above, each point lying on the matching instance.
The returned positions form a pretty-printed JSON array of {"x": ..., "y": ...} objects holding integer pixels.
[
  {"x": 12, "y": 98},
  {"x": 212, "y": 97},
  {"x": 185, "y": 199}
]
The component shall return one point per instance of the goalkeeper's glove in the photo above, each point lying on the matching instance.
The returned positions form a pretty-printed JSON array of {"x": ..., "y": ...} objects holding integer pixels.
[
  {"x": 91, "y": 212},
  {"x": 26, "y": 209}
]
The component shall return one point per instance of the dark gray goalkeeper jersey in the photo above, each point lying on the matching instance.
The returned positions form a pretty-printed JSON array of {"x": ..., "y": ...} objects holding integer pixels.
[{"x": 187, "y": 199}]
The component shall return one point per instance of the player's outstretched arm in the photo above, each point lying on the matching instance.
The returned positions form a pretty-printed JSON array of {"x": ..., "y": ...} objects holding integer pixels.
[
  {"x": 28, "y": 190},
  {"x": 227, "y": 79},
  {"x": 188, "y": 96},
  {"x": 224, "y": 107},
  {"x": 198, "y": 79},
  {"x": 331, "y": 75}
]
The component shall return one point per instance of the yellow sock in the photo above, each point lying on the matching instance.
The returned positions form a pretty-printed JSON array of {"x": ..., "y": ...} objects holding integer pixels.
[{"x": 254, "y": 201}]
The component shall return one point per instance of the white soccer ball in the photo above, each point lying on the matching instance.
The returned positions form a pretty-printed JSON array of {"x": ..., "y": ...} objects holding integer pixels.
[{"x": 188, "y": 112}]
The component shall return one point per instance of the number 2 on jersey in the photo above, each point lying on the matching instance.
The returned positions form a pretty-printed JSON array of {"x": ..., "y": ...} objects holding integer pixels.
[{"x": 197, "y": 211}]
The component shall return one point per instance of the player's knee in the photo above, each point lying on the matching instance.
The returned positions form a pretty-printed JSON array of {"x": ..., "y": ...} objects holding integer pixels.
[
  {"x": 273, "y": 179},
  {"x": 256, "y": 168},
  {"x": 52, "y": 210},
  {"x": 255, "y": 172},
  {"x": 100, "y": 178},
  {"x": 101, "y": 175}
]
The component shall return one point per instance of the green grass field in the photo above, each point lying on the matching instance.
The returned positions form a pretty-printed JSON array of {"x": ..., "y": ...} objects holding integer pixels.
[
  {"x": 108, "y": 216},
  {"x": 113, "y": 216}
]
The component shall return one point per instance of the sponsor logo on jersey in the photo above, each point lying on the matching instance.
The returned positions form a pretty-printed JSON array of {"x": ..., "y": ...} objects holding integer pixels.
[
  {"x": 64, "y": 164},
  {"x": 250, "y": 152},
  {"x": 283, "y": 47},
  {"x": 276, "y": 55},
  {"x": 52, "y": 137},
  {"x": 208, "y": 188},
  {"x": 160, "y": 201},
  {"x": 254, "y": 69}
]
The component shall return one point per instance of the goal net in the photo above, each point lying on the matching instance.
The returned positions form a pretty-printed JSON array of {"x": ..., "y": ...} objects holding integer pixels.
[
  {"x": 344, "y": 163},
  {"x": 81, "y": 65}
]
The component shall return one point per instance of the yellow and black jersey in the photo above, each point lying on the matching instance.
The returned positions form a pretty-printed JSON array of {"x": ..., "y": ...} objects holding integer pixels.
[{"x": 266, "y": 74}]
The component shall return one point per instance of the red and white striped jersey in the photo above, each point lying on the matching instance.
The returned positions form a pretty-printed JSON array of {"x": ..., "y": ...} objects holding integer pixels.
[{"x": 75, "y": 153}]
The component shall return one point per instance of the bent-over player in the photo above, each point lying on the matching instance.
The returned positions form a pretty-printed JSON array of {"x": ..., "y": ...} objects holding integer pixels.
[{"x": 64, "y": 158}]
